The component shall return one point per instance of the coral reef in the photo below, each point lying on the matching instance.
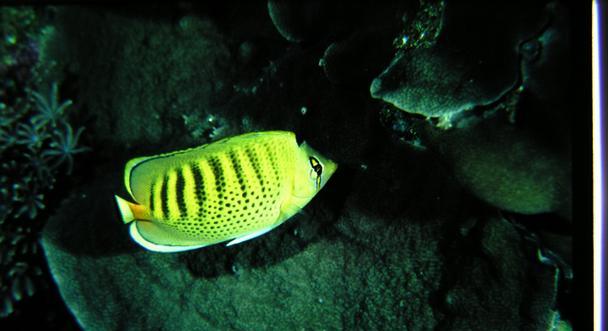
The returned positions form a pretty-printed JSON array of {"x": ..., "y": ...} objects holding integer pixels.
[
  {"x": 138, "y": 113},
  {"x": 451, "y": 208},
  {"x": 472, "y": 61},
  {"x": 483, "y": 83},
  {"x": 368, "y": 267},
  {"x": 43, "y": 141},
  {"x": 33, "y": 126}
]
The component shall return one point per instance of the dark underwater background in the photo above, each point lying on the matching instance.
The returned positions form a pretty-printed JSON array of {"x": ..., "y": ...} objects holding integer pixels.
[{"x": 452, "y": 123}]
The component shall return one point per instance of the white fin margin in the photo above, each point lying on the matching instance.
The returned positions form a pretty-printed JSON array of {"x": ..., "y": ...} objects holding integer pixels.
[
  {"x": 250, "y": 236},
  {"x": 137, "y": 237}
]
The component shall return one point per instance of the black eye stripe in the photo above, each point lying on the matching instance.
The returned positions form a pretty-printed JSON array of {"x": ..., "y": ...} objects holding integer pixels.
[{"x": 316, "y": 165}]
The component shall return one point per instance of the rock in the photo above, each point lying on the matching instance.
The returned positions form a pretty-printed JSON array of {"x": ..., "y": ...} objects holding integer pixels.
[
  {"x": 278, "y": 281},
  {"x": 356, "y": 60},
  {"x": 491, "y": 289},
  {"x": 310, "y": 22},
  {"x": 545, "y": 52},
  {"x": 138, "y": 88},
  {"x": 547, "y": 76},
  {"x": 473, "y": 62},
  {"x": 560, "y": 244},
  {"x": 508, "y": 154},
  {"x": 297, "y": 21},
  {"x": 509, "y": 168},
  {"x": 366, "y": 253}
]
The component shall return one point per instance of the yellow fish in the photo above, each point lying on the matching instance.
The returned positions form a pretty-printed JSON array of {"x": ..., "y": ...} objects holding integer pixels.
[{"x": 235, "y": 189}]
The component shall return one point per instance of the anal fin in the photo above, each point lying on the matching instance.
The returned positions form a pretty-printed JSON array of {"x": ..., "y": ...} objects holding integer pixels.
[
  {"x": 250, "y": 236},
  {"x": 153, "y": 230}
]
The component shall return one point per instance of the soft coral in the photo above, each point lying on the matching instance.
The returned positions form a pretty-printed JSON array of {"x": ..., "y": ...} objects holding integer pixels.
[
  {"x": 49, "y": 108},
  {"x": 64, "y": 146}
]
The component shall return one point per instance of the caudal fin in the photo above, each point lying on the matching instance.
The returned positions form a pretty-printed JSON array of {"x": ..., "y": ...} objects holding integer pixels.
[{"x": 125, "y": 209}]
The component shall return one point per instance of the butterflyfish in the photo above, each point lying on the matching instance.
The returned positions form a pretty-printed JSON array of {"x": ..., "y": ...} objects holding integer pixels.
[{"x": 236, "y": 188}]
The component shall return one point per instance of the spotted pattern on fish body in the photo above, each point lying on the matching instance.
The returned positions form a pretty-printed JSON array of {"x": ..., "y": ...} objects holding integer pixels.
[{"x": 235, "y": 188}]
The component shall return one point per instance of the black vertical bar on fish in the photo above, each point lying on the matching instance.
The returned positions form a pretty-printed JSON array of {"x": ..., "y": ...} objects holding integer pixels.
[
  {"x": 217, "y": 173},
  {"x": 151, "y": 201},
  {"x": 199, "y": 188},
  {"x": 180, "y": 185},
  {"x": 164, "y": 202},
  {"x": 238, "y": 169},
  {"x": 255, "y": 164}
]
